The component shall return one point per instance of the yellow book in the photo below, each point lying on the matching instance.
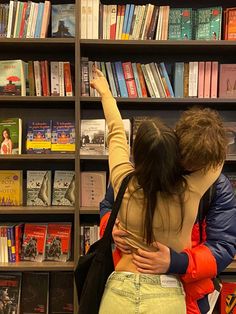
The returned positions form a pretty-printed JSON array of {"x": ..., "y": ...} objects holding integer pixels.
[{"x": 11, "y": 188}]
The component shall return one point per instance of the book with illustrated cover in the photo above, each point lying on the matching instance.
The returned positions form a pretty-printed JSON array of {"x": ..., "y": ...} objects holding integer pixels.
[
  {"x": 58, "y": 242},
  {"x": 93, "y": 187},
  {"x": 10, "y": 291},
  {"x": 12, "y": 78},
  {"x": 39, "y": 137},
  {"x": 35, "y": 293},
  {"x": 63, "y": 20},
  {"x": 180, "y": 24},
  {"x": 61, "y": 292},
  {"x": 228, "y": 296},
  {"x": 92, "y": 141},
  {"x": 136, "y": 123},
  {"x": 230, "y": 128},
  {"x": 11, "y": 188},
  {"x": 64, "y": 188},
  {"x": 63, "y": 137},
  {"x": 38, "y": 188},
  {"x": 34, "y": 240},
  {"x": 227, "y": 81},
  {"x": 11, "y": 136},
  {"x": 208, "y": 23}
]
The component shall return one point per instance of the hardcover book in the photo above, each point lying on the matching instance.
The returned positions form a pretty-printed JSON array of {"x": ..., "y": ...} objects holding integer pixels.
[
  {"x": 10, "y": 291},
  {"x": 92, "y": 141},
  {"x": 64, "y": 188},
  {"x": 63, "y": 20},
  {"x": 11, "y": 136},
  {"x": 63, "y": 137},
  {"x": 227, "y": 81},
  {"x": 58, "y": 242},
  {"x": 34, "y": 240},
  {"x": 38, "y": 188},
  {"x": 10, "y": 188},
  {"x": 61, "y": 292},
  {"x": 39, "y": 137},
  {"x": 12, "y": 78},
  {"x": 35, "y": 293},
  {"x": 93, "y": 188}
]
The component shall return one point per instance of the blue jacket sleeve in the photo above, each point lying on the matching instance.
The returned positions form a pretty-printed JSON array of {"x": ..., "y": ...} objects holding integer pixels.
[{"x": 107, "y": 203}]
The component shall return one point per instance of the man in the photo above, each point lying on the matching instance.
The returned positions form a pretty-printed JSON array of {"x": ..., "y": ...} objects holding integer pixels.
[{"x": 217, "y": 248}]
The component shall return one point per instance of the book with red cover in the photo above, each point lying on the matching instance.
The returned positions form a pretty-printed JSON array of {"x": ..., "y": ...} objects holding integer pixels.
[
  {"x": 228, "y": 298},
  {"x": 129, "y": 79},
  {"x": 58, "y": 242},
  {"x": 34, "y": 240}
]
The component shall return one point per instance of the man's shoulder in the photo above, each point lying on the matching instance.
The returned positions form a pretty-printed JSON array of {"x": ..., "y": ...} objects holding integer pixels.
[{"x": 223, "y": 189}]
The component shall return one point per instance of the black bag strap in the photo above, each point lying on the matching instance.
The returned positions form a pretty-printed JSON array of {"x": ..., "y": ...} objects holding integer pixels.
[{"x": 116, "y": 207}]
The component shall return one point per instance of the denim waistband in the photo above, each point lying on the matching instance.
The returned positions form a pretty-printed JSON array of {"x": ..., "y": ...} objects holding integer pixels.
[{"x": 140, "y": 278}]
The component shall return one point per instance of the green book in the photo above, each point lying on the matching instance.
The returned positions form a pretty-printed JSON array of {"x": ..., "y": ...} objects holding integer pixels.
[
  {"x": 11, "y": 136},
  {"x": 180, "y": 24},
  {"x": 208, "y": 23}
]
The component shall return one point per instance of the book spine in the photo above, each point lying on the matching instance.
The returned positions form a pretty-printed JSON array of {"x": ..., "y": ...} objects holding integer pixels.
[
  {"x": 129, "y": 79},
  {"x": 124, "y": 28},
  {"x": 131, "y": 13},
  {"x": 136, "y": 78},
  {"x": 152, "y": 80},
  {"x": 133, "y": 22},
  {"x": 95, "y": 17},
  {"x": 148, "y": 23},
  {"x": 119, "y": 8},
  {"x": 141, "y": 80},
  {"x": 55, "y": 91},
  {"x": 113, "y": 22},
  {"x": 61, "y": 79},
  {"x": 121, "y": 79},
  {"x": 186, "y": 79},
  {"x": 33, "y": 25},
  {"x": 13, "y": 243},
  {"x": 83, "y": 19},
  {"x": 158, "y": 80},
  {"x": 25, "y": 5},
  {"x": 115, "y": 79},
  {"x": 111, "y": 79},
  {"x": 147, "y": 80},
  {"x": 10, "y": 259},
  {"x": 153, "y": 24},
  {"x": 39, "y": 20},
  {"x": 37, "y": 76},
  {"x": 207, "y": 80},
  {"x": 214, "y": 79},
  {"x": 201, "y": 78},
  {"x": 68, "y": 80},
  {"x": 43, "y": 78},
  {"x": 45, "y": 20},
  {"x": 10, "y": 16},
  {"x": 122, "y": 16},
  {"x": 166, "y": 76},
  {"x": 143, "y": 21}
]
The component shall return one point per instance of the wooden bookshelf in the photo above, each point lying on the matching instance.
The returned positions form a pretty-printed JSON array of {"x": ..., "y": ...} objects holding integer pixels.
[
  {"x": 231, "y": 268},
  {"x": 38, "y": 157},
  {"x": 35, "y": 266},
  {"x": 34, "y": 210}
]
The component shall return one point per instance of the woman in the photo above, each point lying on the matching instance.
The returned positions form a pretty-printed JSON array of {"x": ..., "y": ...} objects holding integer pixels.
[
  {"x": 6, "y": 144},
  {"x": 159, "y": 205}
]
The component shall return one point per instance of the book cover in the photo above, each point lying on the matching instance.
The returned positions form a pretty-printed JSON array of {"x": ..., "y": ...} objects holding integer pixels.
[
  {"x": 92, "y": 141},
  {"x": 38, "y": 188},
  {"x": 227, "y": 81},
  {"x": 180, "y": 24},
  {"x": 34, "y": 240},
  {"x": 10, "y": 188},
  {"x": 35, "y": 293},
  {"x": 10, "y": 291},
  {"x": 12, "y": 80},
  {"x": 63, "y": 136},
  {"x": 61, "y": 292},
  {"x": 230, "y": 128},
  {"x": 64, "y": 188},
  {"x": 63, "y": 20},
  {"x": 208, "y": 23},
  {"x": 38, "y": 137},
  {"x": 232, "y": 178},
  {"x": 93, "y": 188},
  {"x": 228, "y": 298},
  {"x": 11, "y": 136},
  {"x": 58, "y": 242}
]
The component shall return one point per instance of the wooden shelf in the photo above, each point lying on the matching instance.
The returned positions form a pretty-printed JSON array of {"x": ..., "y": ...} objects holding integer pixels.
[
  {"x": 231, "y": 268},
  {"x": 89, "y": 210},
  {"x": 7, "y": 210},
  {"x": 34, "y": 266},
  {"x": 55, "y": 157},
  {"x": 93, "y": 157},
  {"x": 31, "y": 99}
]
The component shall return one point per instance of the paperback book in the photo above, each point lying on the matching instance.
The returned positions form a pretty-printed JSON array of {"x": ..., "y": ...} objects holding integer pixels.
[
  {"x": 39, "y": 137},
  {"x": 63, "y": 20},
  {"x": 11, "y": 188},
  {"x": 92, "y": 140},
  {"x": 64, "y": 188},
  {"x": 11, "y": 136},
  {"x": 230, "y": 128},
  {"x": 63, "y": 137}
]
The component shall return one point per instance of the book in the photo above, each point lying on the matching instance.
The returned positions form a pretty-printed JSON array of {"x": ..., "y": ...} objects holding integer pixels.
[
  {"x": 10, "y": 292},
  {"x": 180, "y": 24},
  {"x": 92, "y": 141},
  {"x": 230, "y": 128},
  {"x": 63, "y": 136},
  {"x": 61, "y": 292},
  {"x": 35, "y": 293},
  {"x": 227, "y": 81},
  {"x": 34, "y": 240},
  {"x": 93, "y": 188},
  {"x": 12, "y": 78},
  {"x": 63, "y": 20},
  {"x": 208, "y": 23},
  {"x": 63, "y": 188},
  {"x": 228, "y": 297},
  {"x": 11, "y": 136},
  {"x": 11, "y": 188},
  {"x": 38, "y": 137},
  {"x": 38, "y": 188},
  {"x": 58, "y": 242}
]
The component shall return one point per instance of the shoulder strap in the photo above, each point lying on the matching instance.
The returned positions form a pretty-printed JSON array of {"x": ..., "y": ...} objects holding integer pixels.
[
  {"x": 204, "y": 207},
  {"x": 116, "y": 206}
]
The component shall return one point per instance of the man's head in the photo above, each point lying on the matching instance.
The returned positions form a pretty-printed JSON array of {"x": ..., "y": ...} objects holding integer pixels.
[{"x": 202, "y": 139}]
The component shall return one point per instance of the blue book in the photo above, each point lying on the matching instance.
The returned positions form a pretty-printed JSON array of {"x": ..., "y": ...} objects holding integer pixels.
[
  {"x": 39, "y": 20},
  {"x": 136, "y": 78},
  {"x": 166, "y": 76},
  {"x": 63, "y": 20},
  {"x": 179, "y": 79},
  {"x": 131, "y": 13},
  {"x": 127, "y": 7},
  {"x": 121, "y": 79}
]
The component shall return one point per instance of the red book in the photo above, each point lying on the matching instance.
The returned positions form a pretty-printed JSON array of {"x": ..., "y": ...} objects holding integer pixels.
[
  {"x": 141, "y": 80},
  {"x": 214, "y": 79},
  {"x": 228, "y": 298},
  {"x": 129, "y": 79},
  {"x": 43, "y": 78},
  {"x": 18, "y": 240},
  {"x": 67, "y": 79},
  {"x": 201, "y": 75}
]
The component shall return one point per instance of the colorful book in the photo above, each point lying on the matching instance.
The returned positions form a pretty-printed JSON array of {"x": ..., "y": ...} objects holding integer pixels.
[
  {"x": 11, "y": 188},
  {"x": 38, "y": 188},
  {"x": 208, "y": 23},
  {"x": 180, "y": 24},
  {"x": 11, "y": 136},
  {"x": 10, "y": 292},
  {"x": 63, "y": 188},
  {"x": 63, "y": 20},
  {"x": 63, "y": 136},
  {"x": 39, "y": 137}
]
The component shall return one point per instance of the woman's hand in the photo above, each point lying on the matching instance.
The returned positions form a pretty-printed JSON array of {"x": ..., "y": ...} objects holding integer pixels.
[{"x": 100, "y": 84}]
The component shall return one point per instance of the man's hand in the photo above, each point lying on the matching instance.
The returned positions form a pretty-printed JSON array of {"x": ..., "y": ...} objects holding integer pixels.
[
  {"x": 120, "y": 242},
  {"x": 153, "y": 262}
]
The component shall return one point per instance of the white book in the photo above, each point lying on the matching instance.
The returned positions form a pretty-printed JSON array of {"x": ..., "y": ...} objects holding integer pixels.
[
  {"x": 92, "y": 141},
  {"x": 83, "y": 19},
  {"x": 121, "y": 22},
  {"x": 137, "y": 9},
  {"x": 150, "y": 8},
  {"x": 95, "y": 15},
  {"x": 104, "y": 21},
  {"x": 37, "y": 78},
  {"x": 89, "y": 26},
  {"x": 113, "y": 14},
  {"x": 33, "y": 24},
  {"x": 61, "y": 78},
  {"x": 38, "y": 188},
  {"x": 55, "y": 89},
  {"x": 139, "y": 23},
  {"x": 10, "y": 16},
  {"x": 30, "y": 20},
  {"x": 118, "y": 22},
  {"x": 108, "y": 21},
  {"x": 159, "y": 23},
  {"x": 152, "y": 81},
  {"x": 195, "y": 78}
]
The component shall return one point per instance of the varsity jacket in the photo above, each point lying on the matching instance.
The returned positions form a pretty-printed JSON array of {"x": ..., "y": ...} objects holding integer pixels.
[{"x": 204, "y": 261}]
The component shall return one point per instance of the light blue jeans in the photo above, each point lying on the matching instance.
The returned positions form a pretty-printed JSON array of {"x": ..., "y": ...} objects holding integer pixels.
[{"x": 131, "y": 293}]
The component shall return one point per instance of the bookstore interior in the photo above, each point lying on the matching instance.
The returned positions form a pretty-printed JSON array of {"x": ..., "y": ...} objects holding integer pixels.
[{"x": 160, "y": 57}]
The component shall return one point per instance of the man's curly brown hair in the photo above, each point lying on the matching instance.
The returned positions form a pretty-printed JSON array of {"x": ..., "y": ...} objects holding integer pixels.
[{"x": 202, "y": 139}]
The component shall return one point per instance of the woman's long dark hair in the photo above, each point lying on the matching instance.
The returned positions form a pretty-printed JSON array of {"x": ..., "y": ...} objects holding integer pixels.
[
  {"x": 8, "y": 133},
  {"x": 157, "y": 167}
]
